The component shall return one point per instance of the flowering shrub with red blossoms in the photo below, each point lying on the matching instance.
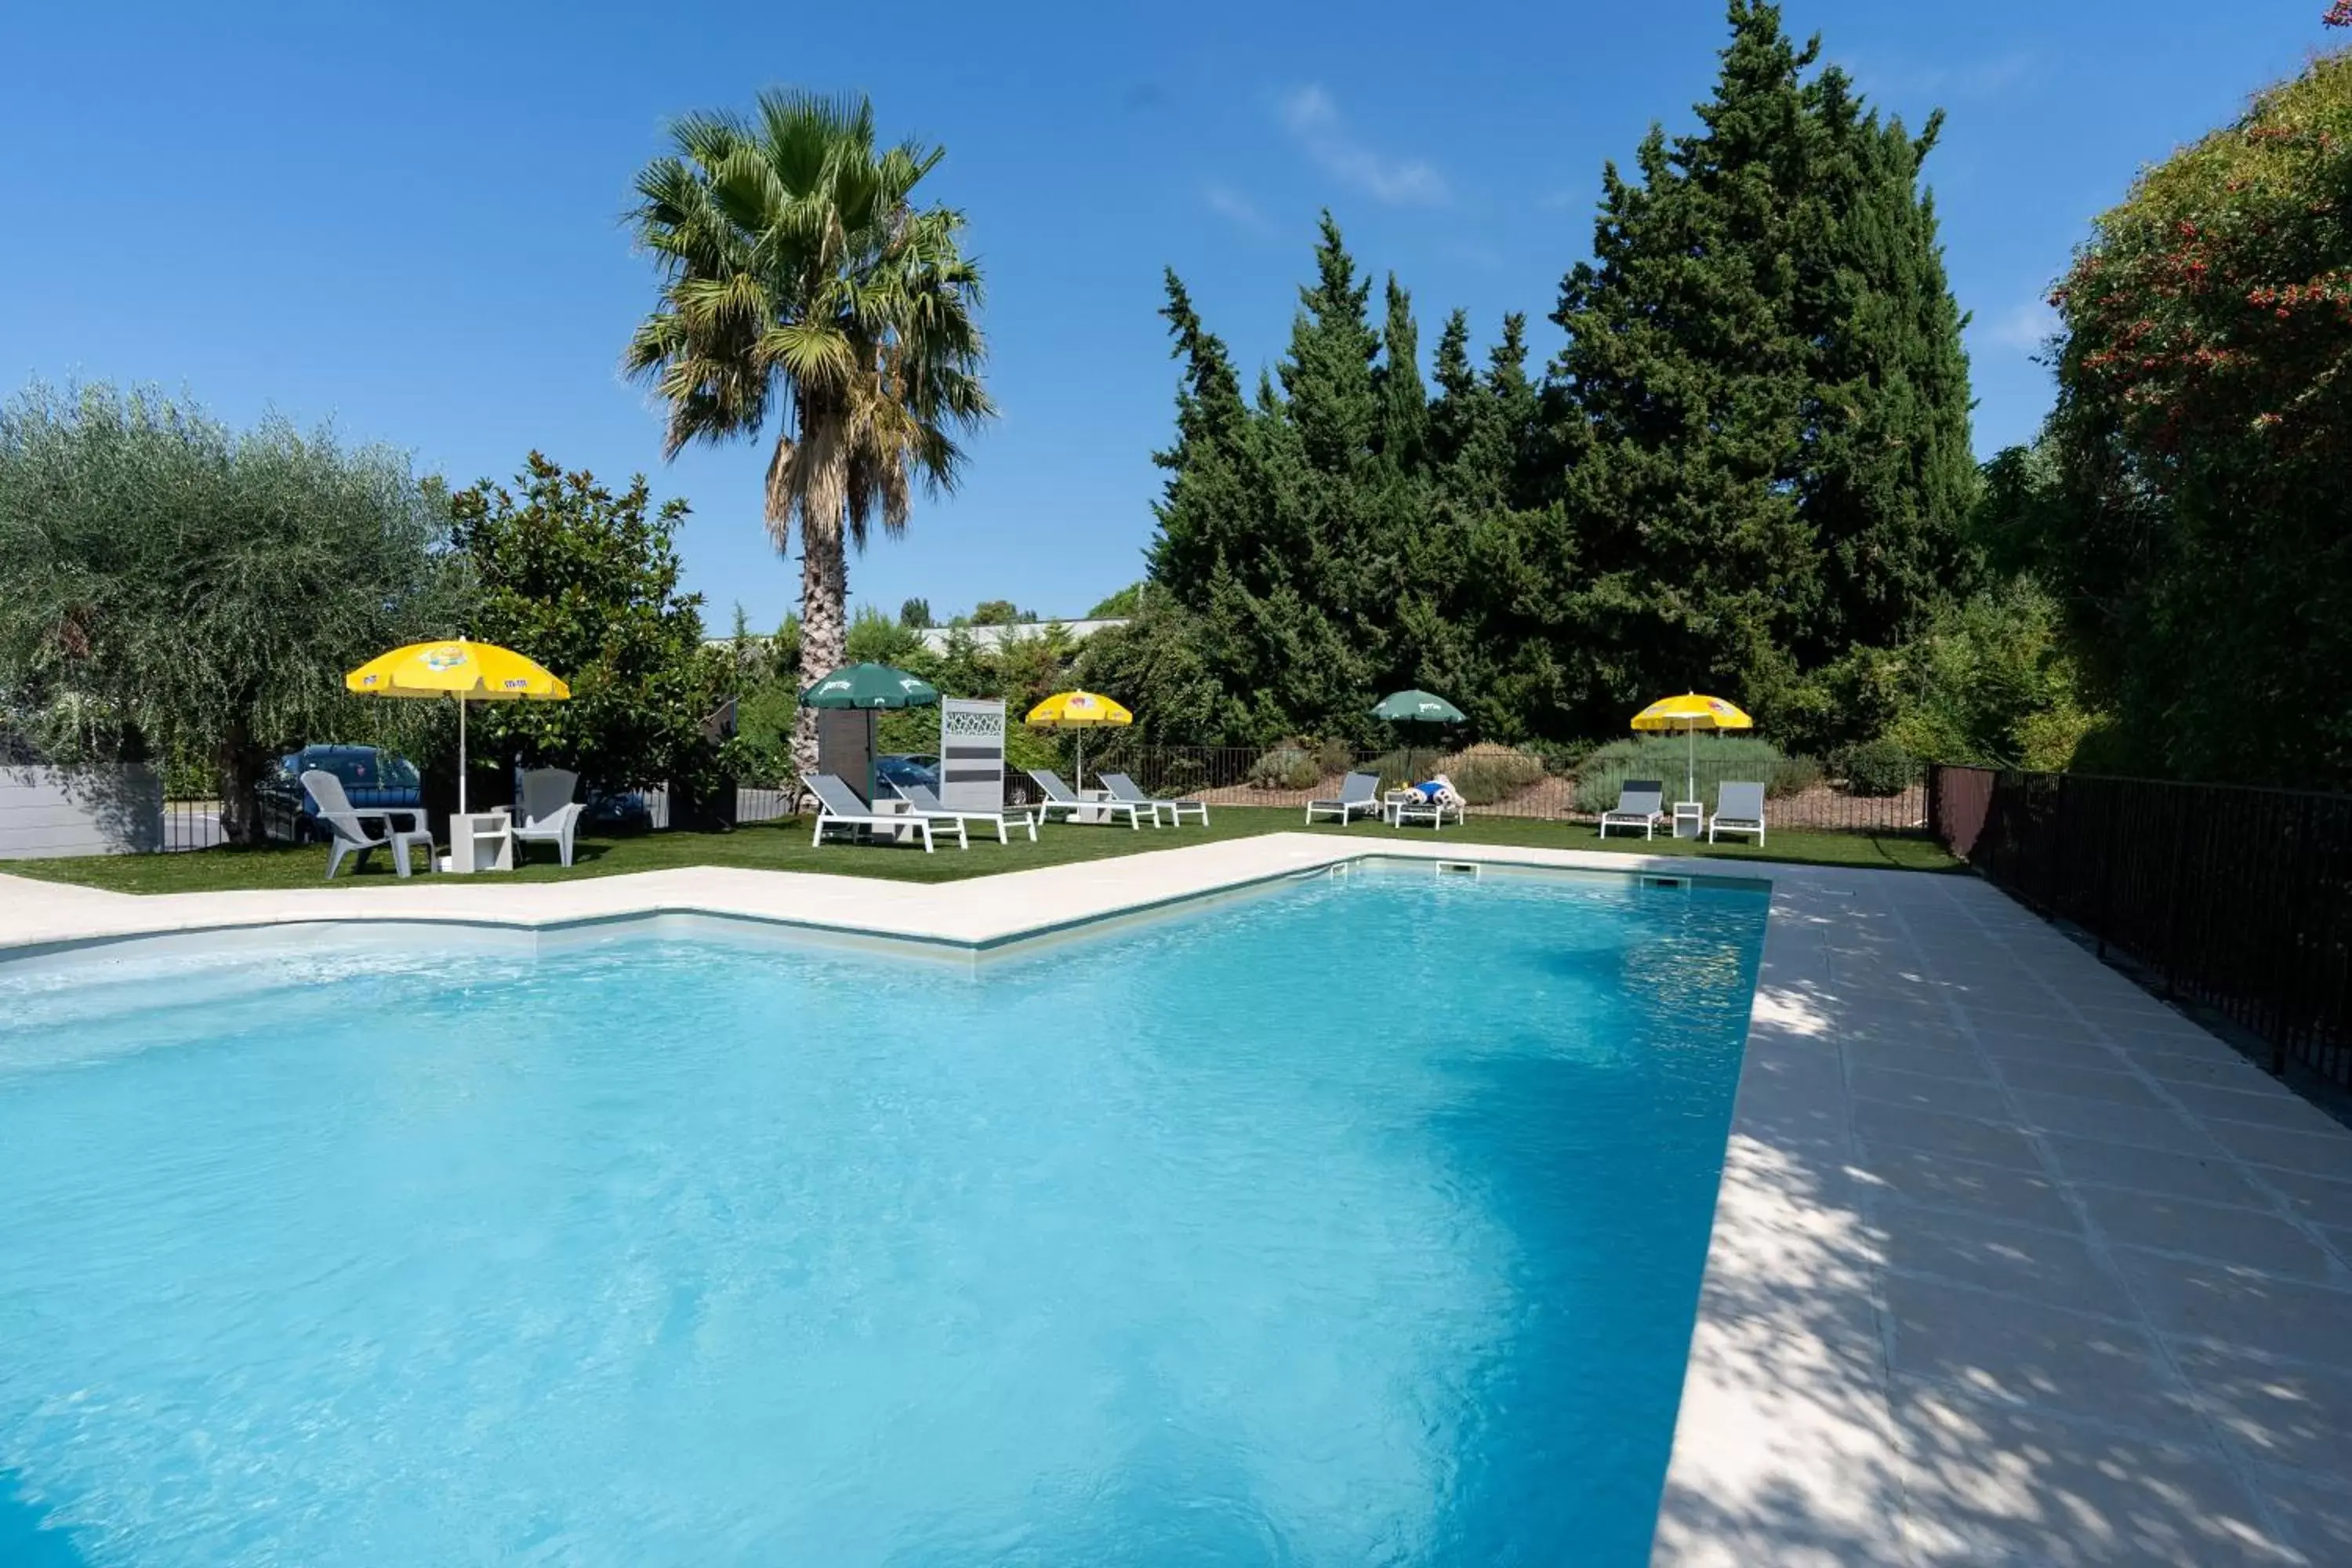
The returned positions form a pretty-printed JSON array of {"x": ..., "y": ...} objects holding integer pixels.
[
  {"x": 2212, "y": 313},
  {"x": 2204, "y": 432}
]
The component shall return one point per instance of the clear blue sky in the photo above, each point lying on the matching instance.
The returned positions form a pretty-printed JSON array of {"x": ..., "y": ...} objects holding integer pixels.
[{"x": 405, "y": 217}]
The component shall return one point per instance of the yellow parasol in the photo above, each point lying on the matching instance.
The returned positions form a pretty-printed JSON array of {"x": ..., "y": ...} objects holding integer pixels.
[
  {"x": 467, "y": 671},
  {"x": 1690, "y": 713},
  {"x": 1078, "y": 711}
]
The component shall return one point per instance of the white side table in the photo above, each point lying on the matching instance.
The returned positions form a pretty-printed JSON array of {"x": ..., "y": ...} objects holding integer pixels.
[
  {"x": 1690, "y": 818},
  {"x": 481, "y": 841},
  {"x": 895, "y": 834}
]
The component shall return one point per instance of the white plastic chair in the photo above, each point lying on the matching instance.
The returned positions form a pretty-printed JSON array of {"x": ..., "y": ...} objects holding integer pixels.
[
  {"x": 347, "y": 825},
  {"x": 547, "y": 814}
]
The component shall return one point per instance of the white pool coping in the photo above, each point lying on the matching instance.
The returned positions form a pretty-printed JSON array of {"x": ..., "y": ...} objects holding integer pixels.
[{"x": 2010, "y": 1262}]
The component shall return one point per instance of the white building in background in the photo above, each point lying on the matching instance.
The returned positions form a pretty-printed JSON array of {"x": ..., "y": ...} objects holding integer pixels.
[{"x": 936, "y": 637}]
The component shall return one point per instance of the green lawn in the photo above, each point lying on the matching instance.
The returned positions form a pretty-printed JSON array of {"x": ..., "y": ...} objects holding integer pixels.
[{"x": 784, "y": 847}]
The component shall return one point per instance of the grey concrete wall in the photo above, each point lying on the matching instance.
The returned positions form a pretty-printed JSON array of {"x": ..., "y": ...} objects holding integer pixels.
[{"x": 49, "y": 812}]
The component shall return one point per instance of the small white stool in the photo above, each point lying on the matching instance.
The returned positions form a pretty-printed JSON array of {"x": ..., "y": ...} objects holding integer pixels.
[{"x": 481, "y": 841}]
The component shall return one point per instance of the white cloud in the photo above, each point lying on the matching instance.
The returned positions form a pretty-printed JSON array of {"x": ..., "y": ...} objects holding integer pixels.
[
  {"x": 1313, "y": 121},
  {"x": 1235, "y": 208},
  {"x": 2025, "y": 326}
]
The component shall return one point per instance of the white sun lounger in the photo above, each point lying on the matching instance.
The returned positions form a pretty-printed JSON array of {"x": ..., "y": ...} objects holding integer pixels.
[
  {"x": 1059, "y": 796},
  {"x": 1738, "y": 808},
  {"x": 838, "y": 807},
  {"x": 1640, "y": 803},
  {"x": 925, "y": 802},
  {"x": 1122, "y": 787},
  {"x": 1357, "y": 792}
]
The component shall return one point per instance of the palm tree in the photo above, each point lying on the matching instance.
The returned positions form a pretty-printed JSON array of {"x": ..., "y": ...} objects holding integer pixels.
[{"x": 798, "y": 279}]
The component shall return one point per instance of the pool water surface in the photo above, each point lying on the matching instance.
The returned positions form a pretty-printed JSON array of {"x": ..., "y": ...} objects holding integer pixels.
[{"x": 1360, "y": 1222}]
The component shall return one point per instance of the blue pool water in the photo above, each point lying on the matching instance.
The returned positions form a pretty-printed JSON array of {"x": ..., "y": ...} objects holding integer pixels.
[{"x": 1360, "y": 1222}]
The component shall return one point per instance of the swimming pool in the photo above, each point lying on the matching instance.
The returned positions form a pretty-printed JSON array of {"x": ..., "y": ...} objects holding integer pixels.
[{"x": 1360, "y": 1222}]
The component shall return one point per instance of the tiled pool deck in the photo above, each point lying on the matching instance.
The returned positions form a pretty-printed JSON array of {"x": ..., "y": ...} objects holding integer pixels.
[{"x": 2011, "y": 1263}]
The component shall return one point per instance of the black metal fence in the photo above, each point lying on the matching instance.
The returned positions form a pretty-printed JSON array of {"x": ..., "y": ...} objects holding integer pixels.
[
  {"x": 2237, "y": 898},
  {"x": 1496, "y": 781}
]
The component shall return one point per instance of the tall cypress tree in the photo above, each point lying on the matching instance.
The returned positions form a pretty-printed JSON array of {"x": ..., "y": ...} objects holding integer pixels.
[
  {"x": 1764, "y": 391},
  {"x": 1683, "y": 380},
  {"x": 1204, "y": 509},
  {"x": 1884, "y": 474}
]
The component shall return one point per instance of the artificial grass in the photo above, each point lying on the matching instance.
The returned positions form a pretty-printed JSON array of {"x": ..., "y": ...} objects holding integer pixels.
[{"x": 784, "y": 847}]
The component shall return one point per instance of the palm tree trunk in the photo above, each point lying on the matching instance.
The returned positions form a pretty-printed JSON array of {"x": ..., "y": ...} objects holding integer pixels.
[{"x": 824, "y": 625}]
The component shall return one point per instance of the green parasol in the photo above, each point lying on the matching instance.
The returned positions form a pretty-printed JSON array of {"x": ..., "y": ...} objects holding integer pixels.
[
  {"x": 870, "y": 687},
  {"x": 1416, "y": 708}
]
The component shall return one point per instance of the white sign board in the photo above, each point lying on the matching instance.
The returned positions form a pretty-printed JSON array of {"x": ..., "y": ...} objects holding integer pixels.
[{"x": 971, "y": 754}]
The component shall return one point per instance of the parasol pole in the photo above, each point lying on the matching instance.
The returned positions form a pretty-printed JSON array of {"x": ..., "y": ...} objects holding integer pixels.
[{"x": 461, "y": 753}]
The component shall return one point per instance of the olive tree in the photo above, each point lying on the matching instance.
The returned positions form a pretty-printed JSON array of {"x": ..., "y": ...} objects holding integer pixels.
[{"x": 171, "y": 586}]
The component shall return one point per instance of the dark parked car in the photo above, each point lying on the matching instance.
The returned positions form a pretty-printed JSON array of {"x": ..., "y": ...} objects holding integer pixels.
[
  {"x": 905, "y": 768},
  {"x": 371, "y": 777}
]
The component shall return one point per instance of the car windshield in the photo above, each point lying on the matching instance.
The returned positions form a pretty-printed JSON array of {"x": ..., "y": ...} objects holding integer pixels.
[{"x": 359, "y": 767}]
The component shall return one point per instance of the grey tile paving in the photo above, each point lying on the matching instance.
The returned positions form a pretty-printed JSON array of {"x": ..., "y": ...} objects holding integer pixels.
[
  {"x": 1998, "y": 1350},
  {"x": 2116, "y": 1085},
  {"x": 1989, "y": 1484},
  {"x": 1923, "y": 1091},
  {"x": 1961, "y": 1137},
  {"x": 2259, "y": 1103},
  {"x": 2326, "y": 1154},
  {"x": 2323, "y": 1199},
  {"x": 2276, "y": 1412},
  {"x": 2110, "y": 1266},
  {"x": 2262, "y": 1312},
  {"x": 2220, "y": 1065},
  {"x": 2041, "y": 1266},
  {"x": 2083, "y": 1051},
  {"x": 2249, "y": 1238},
  {"x": 1927, "y": 1180},
  {"x": 2315, "y": 1513},
  {"x": 1958, "y": 1059},
  {"x": 2151, "y": 1127}
]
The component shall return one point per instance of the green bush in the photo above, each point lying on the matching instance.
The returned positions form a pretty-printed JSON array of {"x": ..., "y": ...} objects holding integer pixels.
[
  {"x": 1286, "y": 767},
  {"x": 1876, "y": 767},
  {"x": 1335, "y": 756},
  {"x": 1560, "y": 759},
  {"x": 1405, "y": 765},
  {"x": 1486, "y": 774},
  {"x": 1794, "y": 776},
  {"x": 1719, "y": 758}
]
